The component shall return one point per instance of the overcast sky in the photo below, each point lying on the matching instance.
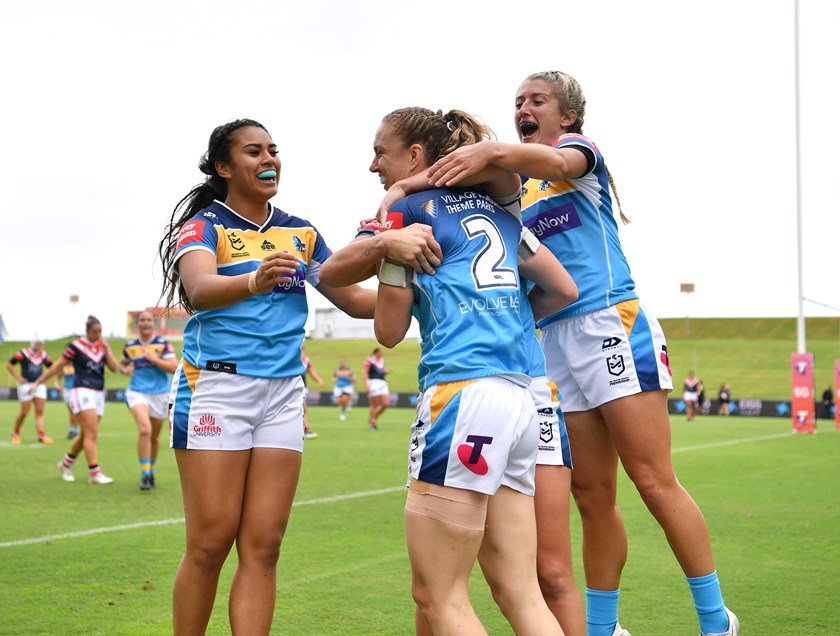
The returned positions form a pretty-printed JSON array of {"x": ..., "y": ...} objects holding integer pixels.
[{"x": 108, "y": 106}]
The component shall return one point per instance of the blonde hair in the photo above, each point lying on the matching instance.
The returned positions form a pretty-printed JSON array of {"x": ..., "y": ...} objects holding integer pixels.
[
  {"x": 438, "y": 133},
  {"x": 570, "y": 97}
]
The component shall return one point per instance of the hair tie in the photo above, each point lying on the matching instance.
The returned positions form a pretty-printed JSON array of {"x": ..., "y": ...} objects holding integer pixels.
[{"x": 450, "y": 127}]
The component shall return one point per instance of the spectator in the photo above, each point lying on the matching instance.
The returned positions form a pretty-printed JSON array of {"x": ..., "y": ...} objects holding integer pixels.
[
  {"x": 828, "y": 401},
  {"x": 724, "y": 398}
]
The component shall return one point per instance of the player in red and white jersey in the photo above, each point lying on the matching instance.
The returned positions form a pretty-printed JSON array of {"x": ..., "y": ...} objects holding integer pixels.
[
  {"x": 89, "y": 356},
  {"x": 32, "y": 361}
]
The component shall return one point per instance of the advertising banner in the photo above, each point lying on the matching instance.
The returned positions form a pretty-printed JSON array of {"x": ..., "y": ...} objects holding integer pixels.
[
  {"x": 836, "y": 393},
  {"x": 802, "y": 405}
]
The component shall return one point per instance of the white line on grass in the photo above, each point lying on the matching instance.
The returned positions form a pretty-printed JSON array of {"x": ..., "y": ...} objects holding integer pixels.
[
  {"x": 166, "y": 522},
  {"x": 324, "y": 500},
  {"x": 730, "y": 442}
]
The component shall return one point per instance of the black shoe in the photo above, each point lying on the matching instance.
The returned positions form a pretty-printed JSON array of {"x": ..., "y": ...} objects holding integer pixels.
[
  {"x": 152, "y": 481},
  {"x": 146, "y": 482}
]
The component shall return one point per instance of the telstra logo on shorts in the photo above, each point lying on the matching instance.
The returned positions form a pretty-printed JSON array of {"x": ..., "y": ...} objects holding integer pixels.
[
  {"x": 471, "y": 457},
  {"x": 207, "y": 427}
]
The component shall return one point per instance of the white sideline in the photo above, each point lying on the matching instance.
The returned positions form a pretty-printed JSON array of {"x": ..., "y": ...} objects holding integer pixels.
[
  {"x": 743, "y": 440},
  {"x": 355, "y": 495},
  {"x": 166, "y": 522}
]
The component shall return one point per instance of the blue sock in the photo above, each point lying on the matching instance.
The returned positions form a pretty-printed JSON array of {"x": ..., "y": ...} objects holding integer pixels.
[
  {"x": 708, "y": 602},
  {"x": 601, "y": 612}
]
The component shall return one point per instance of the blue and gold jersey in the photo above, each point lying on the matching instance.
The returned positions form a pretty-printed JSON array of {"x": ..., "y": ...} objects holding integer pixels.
[
  {"x": 68, "y": 372},
  {"x": 148, "y": 377},
  {"x": 469, "y": 310},
  {"x": 343, "y": 377},
  {"x": 260, "y": 336},
  {"x": 574, "y": 219}
]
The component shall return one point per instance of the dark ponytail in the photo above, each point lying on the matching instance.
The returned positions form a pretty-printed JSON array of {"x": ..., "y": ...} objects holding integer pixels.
[{"x": 201, "y": 196}]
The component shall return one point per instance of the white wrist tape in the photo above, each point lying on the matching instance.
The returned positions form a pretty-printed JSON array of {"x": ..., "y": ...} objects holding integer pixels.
[
  {"x": 395, "y": 275},
  {"x": 528, "y": 245}
]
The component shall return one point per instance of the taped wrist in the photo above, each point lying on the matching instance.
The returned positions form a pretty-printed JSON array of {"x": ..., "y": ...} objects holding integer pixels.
[
  {"x": 395, "y": 275},
  {"x": 528, "y": 245}
]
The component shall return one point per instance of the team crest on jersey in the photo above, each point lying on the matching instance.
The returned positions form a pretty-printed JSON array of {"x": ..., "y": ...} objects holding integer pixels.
[
  {"x": 267, "y": 246},
  {"x": 615, "y": 364},
  {"x": 300, "y": 246},
  {"x": 235, "y": 241},
  {"x": 470, "y": 454},
  {"x": 430, "y": 208}
]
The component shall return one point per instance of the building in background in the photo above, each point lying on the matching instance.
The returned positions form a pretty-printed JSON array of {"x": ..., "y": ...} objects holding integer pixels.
[
  {"x": 168, "y": 323},
  {"x": 332, "y": 323}
]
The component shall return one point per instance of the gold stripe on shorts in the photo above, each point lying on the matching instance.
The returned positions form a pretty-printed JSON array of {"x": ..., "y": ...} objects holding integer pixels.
[
  {"x": 628, "y": 311},
  {"x": 444, "y": 392},
  {"x": 191, "y": 373}
]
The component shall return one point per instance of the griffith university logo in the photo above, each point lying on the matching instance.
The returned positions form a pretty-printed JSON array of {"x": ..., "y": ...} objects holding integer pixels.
[
  {"x": 207, "y": 427},
  {"x": 470, "y": 454}
]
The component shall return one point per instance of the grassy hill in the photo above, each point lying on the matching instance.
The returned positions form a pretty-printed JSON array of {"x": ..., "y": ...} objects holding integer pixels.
[{"x": 751, "y": 354}]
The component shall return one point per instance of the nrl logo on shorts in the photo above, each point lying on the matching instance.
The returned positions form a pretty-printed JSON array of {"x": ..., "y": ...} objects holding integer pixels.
[
  {"x": 546, "y": 434},
  {"x": 615, "y": 364}
]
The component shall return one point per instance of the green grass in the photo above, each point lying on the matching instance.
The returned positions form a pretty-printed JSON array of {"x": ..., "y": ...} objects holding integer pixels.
[
  {"x": 751, "y": 354},
  {"x": 768, "y": 496}
]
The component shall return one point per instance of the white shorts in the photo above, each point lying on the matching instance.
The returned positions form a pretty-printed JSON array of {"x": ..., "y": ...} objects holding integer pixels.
[
  {"x": 158, "y": 403},
  {"x": 553, "y": 449},
  {"x": 213, "y": 410},
  {"x": 338, "y": 391},
  {"x": 66, "y": 395},
  {"x": 690, "y": 396},
  {"x": 475, "y": 434},
  {"x": 377, "y": 387},
  {"x": 84, "y": 399},
  {"x": 598, "y": 357},
  {"x": 24, "y": 394}
]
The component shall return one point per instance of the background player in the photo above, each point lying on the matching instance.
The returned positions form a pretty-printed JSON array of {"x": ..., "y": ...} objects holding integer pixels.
[
  {"x": 309, "y": 371},
  {"x": 149, "y": 359},
  {"x": 344, "y": 379},
  {"x": 32, "y": 361},
  {"x": 374, "y": 372},
  {"x": 89, "y": 355}
]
